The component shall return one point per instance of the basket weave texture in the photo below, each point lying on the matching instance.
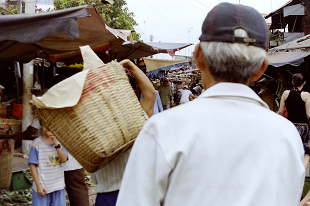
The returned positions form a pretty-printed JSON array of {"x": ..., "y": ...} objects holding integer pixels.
[
  {"x": 10, "y": 124},
  {"x": 7, "y": 126},
  {"x": 105, "y": 122},
  {"x": 6, "y": 160}
]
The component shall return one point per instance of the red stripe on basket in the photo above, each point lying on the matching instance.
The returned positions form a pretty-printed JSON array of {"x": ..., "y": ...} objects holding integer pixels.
[
  {"x": 105, "y": 85},
  {"x": 108, "y": 75},
  {"x": 83, "y": 97},
  {"x": 99, "y": 77},
  {"x": 90, "y": 87},
  {"x": 91, "y": 74},
  {"x": 5, "y": 145}
]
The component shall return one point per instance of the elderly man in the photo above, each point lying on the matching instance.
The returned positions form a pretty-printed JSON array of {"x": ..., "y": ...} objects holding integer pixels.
[{"x": 225, "y": 147}]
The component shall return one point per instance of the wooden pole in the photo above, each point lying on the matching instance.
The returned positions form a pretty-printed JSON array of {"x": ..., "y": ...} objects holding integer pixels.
[
  {"x": 19, "y": 6},
  {"x": 17, "y": 76},
  {"x": 27, "y": 112}
]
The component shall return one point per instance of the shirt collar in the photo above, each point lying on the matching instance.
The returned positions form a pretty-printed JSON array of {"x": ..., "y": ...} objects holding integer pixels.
[
  {"x": 227, "y": 89},
  {"x": 41, "y": 138}
]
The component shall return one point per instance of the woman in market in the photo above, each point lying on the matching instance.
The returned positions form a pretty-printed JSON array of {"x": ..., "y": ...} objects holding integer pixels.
[{"x": 297, "y": 103}]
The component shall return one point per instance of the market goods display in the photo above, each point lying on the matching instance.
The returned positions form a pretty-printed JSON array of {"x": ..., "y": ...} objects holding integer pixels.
[
  {"x": 105, "y": 121},
  {"x": 10, "y": 125}
]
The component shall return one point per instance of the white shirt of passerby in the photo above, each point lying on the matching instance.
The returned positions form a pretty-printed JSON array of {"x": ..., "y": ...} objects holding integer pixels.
[{"x": 185, "y": 96}]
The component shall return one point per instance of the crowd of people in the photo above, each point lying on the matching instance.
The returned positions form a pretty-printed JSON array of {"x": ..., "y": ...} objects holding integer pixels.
[
  {"x": 224, "y": 148},
  {"x": 171, "y": 92},
  {"x": 176, "y": 92}
]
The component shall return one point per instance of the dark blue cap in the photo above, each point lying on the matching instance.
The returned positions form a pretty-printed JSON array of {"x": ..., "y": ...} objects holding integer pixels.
[{"x": 222, "y": 21}]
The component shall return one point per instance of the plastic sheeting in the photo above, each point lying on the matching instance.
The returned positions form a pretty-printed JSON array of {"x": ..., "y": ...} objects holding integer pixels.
[
  {"x": 67, "y": 93},
  {"x": 180, "y": 65},
  {"x": 303, "y": 42},
  {"x": 294, "y": 10},
  {"x": 31, "y": 28},
  {"x": 278, "y": 59},
  {"x": 290, "y": 36}
]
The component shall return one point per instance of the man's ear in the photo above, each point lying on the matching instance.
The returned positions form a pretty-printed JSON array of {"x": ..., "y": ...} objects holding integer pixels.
[
  {"x": 199, "y": 58},
  {"x": 260, "y": 71}
]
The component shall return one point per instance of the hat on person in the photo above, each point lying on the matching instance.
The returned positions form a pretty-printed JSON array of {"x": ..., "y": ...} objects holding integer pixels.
[
  {"x": 235, "y": 23},
  {"x": 185, "y": 86}
]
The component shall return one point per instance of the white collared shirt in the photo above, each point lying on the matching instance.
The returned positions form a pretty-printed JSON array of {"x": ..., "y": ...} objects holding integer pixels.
[{"x": 223, "y": 148}]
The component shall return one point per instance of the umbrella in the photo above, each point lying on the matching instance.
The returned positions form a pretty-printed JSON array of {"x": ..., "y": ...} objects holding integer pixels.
[{"x": 55, "y": 35}]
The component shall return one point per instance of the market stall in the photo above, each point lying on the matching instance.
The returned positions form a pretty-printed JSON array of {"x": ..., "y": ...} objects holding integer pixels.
[{"x": 56, "y": 35}]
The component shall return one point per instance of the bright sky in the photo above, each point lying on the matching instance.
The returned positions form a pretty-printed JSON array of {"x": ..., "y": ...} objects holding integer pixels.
[{"x": 180, "y": 21}]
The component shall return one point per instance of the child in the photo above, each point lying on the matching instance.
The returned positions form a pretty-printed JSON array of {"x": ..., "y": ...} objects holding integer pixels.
[{"x": 45, "y": 158}]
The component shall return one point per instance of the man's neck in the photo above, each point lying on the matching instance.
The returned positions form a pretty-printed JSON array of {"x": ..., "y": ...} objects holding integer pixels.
[{"x": 208, "y": 82}]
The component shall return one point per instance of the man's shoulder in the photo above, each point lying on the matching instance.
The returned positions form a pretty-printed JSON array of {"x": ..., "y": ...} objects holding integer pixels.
[
  {"x": 176, "y": 113},
  {"x": 277, "y": 122}
]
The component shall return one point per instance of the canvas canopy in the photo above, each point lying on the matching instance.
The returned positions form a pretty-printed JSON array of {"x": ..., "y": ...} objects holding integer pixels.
[
  {"x": 130, "y": 50},
  {"x": 139, "y": 49},
  {"x": 55, "y": 35},
  {"x": 154, "y": 64}
]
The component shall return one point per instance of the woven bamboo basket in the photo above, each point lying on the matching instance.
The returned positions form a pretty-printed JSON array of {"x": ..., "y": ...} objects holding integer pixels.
[
  {"x": 105, "y": 122},
  {"x": 6, "y": 160},
  {"x": 13, "y": 124}
]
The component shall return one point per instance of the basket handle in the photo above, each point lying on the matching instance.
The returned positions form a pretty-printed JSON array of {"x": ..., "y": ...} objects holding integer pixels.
[{"x": 117, "y": 116}]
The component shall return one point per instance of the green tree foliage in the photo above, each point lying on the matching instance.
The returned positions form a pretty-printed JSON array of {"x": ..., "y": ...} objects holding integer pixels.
[
  {"x": 116, "y": 16},
  {"x": 8, "y": 11}
]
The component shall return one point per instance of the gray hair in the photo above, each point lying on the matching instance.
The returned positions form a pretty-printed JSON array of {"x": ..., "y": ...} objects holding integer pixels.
[{"x": 232, "y": 62}]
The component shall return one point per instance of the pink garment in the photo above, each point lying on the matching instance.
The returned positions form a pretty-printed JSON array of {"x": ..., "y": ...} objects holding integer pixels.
[{"x": 171, "y": 52}]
